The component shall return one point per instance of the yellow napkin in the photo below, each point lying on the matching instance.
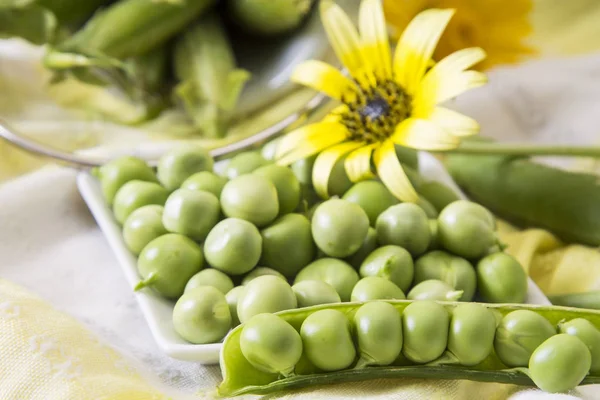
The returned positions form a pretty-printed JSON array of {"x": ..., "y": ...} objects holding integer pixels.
[
  {"x": 557, "y": 268},
  {"x": 47, "y": 355}
]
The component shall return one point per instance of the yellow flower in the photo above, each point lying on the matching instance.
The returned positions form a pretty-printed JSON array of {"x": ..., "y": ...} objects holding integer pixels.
[
  {"x": 498, "y": 27},
  {"x": 389, "y": 100}
]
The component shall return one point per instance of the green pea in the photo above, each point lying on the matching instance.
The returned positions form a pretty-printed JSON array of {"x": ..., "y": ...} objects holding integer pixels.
[
  {"x": 252, "y": 198},
  {"x": 175, "y": 166},
  {"x": 371, "y": 196},
  {"x": 405, "y": 225},
  {"x": 378, "y": 327},
  {"x": 168, "y": 262},
  {"x": 337, "y": 273},
  {"x": 438, "y": 194},
  {"x": 376, "y": 288},
  {"x": 143, "y": 226},
  {"x": 560, "y": 363},
  {"x": 589, "y": 334},
  {"x": 286, "y": 184},
  {"x": 327, "y": 340},
  {"x": 232, "y": 298},
  {"x": 455, "y": 271},
  {"x": 287, "y": 244},
  {"x": 210, "y": 277},
  {"x": 191, "y": 213},
  {"x": 265, "y": 294},
  {"x": 501, "y": 279},
  {"x": 136, "y": 194},
  {"x": 303, "y": 169},
  {"x": 392, "y": 263},
  {"x": 339, "y": 227},
  {"x": 205, "y": 181},
  {"x": 429, "y": 209},
  {"x": 339, "y": 182},
  {"x": 434, "y": 243},
  {"x": 466, "y": 229},
  {"x": 202, "y": 315},
  {"x": 114, "y": 174},
  {"x": 244, "y": 163},
  {"x": 434, "y": 289},
  {"x": 312, "y": 293},
  {"x": 233, "y": 246},
  {"x": 367, "y": 247},
  {"x": 269, "y": 150},
  {"x": 519, "y": 334},
  {"x": 271, "y": 344},
  {"x": 472, "y": 330},
  {"x": 425, "y": 328},
  {"x": 261, "y": 271}
]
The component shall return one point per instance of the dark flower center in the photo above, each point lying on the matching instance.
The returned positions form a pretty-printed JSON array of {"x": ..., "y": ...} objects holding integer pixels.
[{"x": 374, "y": 113}]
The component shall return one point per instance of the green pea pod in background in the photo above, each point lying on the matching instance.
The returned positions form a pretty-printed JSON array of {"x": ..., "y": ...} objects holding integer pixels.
[
  {"x": 71, "y": 12},
  {"x": 42, "y": 21},
  {"x": 530, "y": 194},
  {"x": 35, "y": 24},
  {"x": 210, "y": 84},
  {"x": 130, "y": 28},
  {"x": 268, "y": 17},
  {"x": 241, "y": 377},
  {"x": 119, "y": 47},
  {"x": 127, "y": 92}
]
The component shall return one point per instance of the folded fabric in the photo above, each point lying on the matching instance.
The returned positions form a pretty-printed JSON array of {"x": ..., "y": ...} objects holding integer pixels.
[
  {"x": 556, "y": 267},
  {"x": 48, "y": 355}
]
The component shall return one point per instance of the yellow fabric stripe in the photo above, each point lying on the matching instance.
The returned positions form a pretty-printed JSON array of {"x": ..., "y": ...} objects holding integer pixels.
[
  {"x": 324, "y": 165},
  {"x": 358, "y": 163},
  {"x": 391, "y": 173},
  {"x": 416, "y": 46},
  {"x": 324, "y": 78}
]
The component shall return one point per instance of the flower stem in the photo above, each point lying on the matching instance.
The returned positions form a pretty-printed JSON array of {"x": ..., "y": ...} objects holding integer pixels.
[{"x": 485, "y": 148}]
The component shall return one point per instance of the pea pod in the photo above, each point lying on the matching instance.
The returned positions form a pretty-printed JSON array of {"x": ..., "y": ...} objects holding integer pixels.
[
  {"x": 240, "y": 377},
  {"x": 209, "y": 82},
  {"x": 530, "y": 194}
]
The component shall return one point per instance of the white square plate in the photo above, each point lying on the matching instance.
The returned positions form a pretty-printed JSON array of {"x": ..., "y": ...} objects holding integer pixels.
[{"x": 157, "y": 310}]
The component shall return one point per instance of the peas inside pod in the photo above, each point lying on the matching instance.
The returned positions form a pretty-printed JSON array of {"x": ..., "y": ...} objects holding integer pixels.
[{"x": 257, "y": 245}]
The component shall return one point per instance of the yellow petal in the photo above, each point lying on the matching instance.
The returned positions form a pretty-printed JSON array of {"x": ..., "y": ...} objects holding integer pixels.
[
  {"x": 456, "y": 62},
  {"x": 374, "y": 37},
  {"x": 336, "y": 114},
  {"x": 454, "y": 123},
  {"x": 315, "y": 144},
  {"x": 358, "y": 163},
  {"x": 324, "y": 78},
  {"x": 391, "y": 173},
  {"x": 343, "y": 37},
  {"x": 324, "y": 165},
  {"x": 416, "y": 45},
  {"x": 422, "y": 134},
  {"x": 446, "y": 88},
  {"x": 303, "y": 134}
]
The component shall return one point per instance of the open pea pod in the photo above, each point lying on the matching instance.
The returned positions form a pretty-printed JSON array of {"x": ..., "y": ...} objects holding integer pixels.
[{"x": 240, "y": 377}]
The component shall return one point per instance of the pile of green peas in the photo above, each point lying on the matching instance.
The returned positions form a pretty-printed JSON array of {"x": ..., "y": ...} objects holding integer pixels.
[
  {"x": 255, "y": 238},
  {"x": 428, "y": 333}
]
